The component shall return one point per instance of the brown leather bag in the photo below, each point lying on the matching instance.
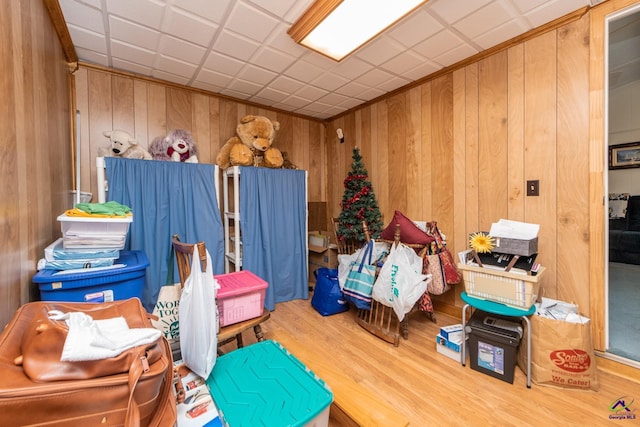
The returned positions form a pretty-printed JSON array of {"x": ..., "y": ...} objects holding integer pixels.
[{"x": 36, "y": 388}]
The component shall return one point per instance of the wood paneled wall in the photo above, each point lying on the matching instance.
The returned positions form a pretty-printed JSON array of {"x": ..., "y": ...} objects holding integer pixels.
[
  {"x": 459, "y": 149},
  {"x": 146, "y": 109},
  {"x": 35, "y": 146}
]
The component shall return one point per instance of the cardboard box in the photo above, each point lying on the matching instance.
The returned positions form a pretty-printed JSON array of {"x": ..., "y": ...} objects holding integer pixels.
[
  {"x": 453, "y": 344},
  {"x": 453, "y": 330},
  {"x": 444, "y": 347},
  {"x": 322, "y": 253}
]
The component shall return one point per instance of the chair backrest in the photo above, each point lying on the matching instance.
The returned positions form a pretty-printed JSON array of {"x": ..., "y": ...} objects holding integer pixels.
[
  {"x": 184, "y": 254},
  {"x": 348, "y": 246}
]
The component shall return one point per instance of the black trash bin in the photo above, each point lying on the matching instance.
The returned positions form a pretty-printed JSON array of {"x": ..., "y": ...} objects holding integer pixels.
[{"x": 493, "y": 344}]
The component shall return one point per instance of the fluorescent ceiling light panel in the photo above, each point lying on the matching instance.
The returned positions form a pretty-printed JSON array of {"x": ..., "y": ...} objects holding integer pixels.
[{"x": 336, "y": 28}]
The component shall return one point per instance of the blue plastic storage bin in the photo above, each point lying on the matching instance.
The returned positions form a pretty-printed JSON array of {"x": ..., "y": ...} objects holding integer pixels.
[
  {"x": 263, "y": 384},
  {"x": 109, "y": 284}
]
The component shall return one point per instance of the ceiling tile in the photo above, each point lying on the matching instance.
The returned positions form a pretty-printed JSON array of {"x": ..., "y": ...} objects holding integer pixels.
[
  {"x": 145, "y": 12},
  {"x": 482, "y": 20},
  {"x": 456, "y": 54},
  {"x": 97, "y": 58},
  {"x": 279, "y": 39},
  {"x": 295, "y": 101},
  {"x": 297, "y": 9},
  {"x": 277, "y": 8},
  {"x": 130, "y": 32},
  {"x": 415, "y": 28},
  {"x": 333, "y": 99},
  {"x": 311, "y": 92},
  {"x": 403, "y": 62},
  {"x": 286, "y": 84},
  {"x": 132, "y": 54},
  {"x": 439, "y": 44},
  {"x": 235, "y": 45},
  {"x": 527, "y": 5},
  {"x": 380, "y": 50},
  {"x": 500, "y": 34},
  {"x": 257, "y": 75},
  {"x": 206, "y": 8},
  {"x": 180, "y": 49},
  {"x": 393, "y": 83},
  {"x": 372, "y": 93},
  {"x": 453, "y": 10},
  {"x": 375, "y": 77},
  {"x": 82, "y": 16},
  {"x": 245, "y": 86},
  {"x": 187, "y": 26},
  {"x": 207, "y": 87},
  {"x": 351, "y": 67},
  {"x": 169, "y": 77},
  {"x": 303, "y": 71},
  {"x": 131, "y": 67},
  {"x": 424, "y": 69},
  {"x": 235, "y": 94},
  {"x": 223, "y": 63},
  {"x": 213, "y": 78},
  {"x": 88, "y": 39},
  {"x": 551, "y": 10},
  {"x": 329, "y": 81},
  {"x": 273, "y": 59},
  {"x": 353, "y": 89},
  {"x": 250, "y": 22},
  {"x": 175, "y": 66},
  {"x": 272, "y": 95}
]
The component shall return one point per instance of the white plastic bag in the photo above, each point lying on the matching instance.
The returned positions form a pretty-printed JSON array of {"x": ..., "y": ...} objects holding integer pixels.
[
  {"x": 198, "y": 316},
  {"x": 400, "y": 282}
]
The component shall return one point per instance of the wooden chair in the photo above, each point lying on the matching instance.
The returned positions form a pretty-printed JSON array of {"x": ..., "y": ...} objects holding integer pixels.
[
  {"x": 226, "y": 334},
  {"x": 380, "y": 320}
]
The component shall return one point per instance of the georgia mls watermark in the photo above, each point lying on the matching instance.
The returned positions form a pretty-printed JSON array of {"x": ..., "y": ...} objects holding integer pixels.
[{"x": 620, "y": 409}]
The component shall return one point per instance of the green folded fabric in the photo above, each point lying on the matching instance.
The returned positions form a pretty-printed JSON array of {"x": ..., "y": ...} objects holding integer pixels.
[{"x": 108, "y": 208}]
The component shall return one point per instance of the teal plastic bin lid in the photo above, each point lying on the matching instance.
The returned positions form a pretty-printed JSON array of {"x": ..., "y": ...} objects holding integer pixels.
[{"x": 265, "y": 385}]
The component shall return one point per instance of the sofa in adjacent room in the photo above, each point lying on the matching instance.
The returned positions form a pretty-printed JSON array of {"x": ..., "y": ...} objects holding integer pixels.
[{"x": 624, "y": 228}]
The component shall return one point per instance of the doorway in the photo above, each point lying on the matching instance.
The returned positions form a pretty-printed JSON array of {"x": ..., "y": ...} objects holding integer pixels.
[{"x": 622, "y": 183}]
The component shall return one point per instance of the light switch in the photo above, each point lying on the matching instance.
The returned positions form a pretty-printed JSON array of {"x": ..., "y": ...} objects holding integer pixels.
[{"x": 533, "y": 188}]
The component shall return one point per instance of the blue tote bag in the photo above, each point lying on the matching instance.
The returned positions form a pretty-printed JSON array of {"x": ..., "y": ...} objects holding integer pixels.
[
  {"x": 359, "y": 284},
  {"x": 327, "y": 296}
]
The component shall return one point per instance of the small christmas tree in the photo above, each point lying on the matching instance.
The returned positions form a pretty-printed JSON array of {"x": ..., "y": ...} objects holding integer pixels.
[{"x": 358, "y": 204}]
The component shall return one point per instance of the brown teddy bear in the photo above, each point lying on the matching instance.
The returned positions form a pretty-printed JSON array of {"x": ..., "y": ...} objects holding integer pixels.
[{"x": 252, "y": 144}]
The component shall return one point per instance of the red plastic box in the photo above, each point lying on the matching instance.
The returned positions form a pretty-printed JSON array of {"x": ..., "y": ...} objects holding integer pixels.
[{"x": 240, "y": 297}]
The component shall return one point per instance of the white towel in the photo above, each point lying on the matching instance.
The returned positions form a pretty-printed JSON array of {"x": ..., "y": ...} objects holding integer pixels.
[{"x": 90, "y": 339}]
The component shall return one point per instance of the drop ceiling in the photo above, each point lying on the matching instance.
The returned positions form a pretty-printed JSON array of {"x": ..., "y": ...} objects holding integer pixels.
[{"x": 240, "y": 48}]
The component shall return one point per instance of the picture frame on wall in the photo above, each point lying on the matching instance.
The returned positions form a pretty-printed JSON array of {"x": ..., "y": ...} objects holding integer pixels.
[{"x": 624, "y": 156}]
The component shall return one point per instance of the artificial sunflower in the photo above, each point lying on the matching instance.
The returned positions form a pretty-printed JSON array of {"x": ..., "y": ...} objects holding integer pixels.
[{"x": 481, "y": 243}]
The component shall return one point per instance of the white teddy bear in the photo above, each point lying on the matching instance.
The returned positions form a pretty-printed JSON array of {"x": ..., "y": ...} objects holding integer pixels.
[{"x": 124, "y": 145}]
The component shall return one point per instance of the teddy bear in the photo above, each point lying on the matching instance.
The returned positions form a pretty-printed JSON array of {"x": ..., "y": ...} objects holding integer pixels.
[
  {"x": 177, "y": 146},
  {"x": 123, "y": 145},
  {"x": 251, "y": 146}
]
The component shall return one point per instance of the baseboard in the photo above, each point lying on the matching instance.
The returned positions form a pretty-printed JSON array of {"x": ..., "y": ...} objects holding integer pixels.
[{"x": 619, "y": 366}]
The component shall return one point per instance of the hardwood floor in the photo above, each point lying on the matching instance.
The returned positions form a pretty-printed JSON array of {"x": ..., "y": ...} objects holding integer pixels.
[{"x": 431, "y": 389}]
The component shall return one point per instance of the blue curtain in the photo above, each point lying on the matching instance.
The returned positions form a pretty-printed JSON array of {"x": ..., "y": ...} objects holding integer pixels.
[
  {"x": 167, "y": 198},
  {"x": 273, "y": 212}
]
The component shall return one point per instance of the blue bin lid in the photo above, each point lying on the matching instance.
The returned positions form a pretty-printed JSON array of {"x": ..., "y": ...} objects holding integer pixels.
[{"x": 135, "y": 262}]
